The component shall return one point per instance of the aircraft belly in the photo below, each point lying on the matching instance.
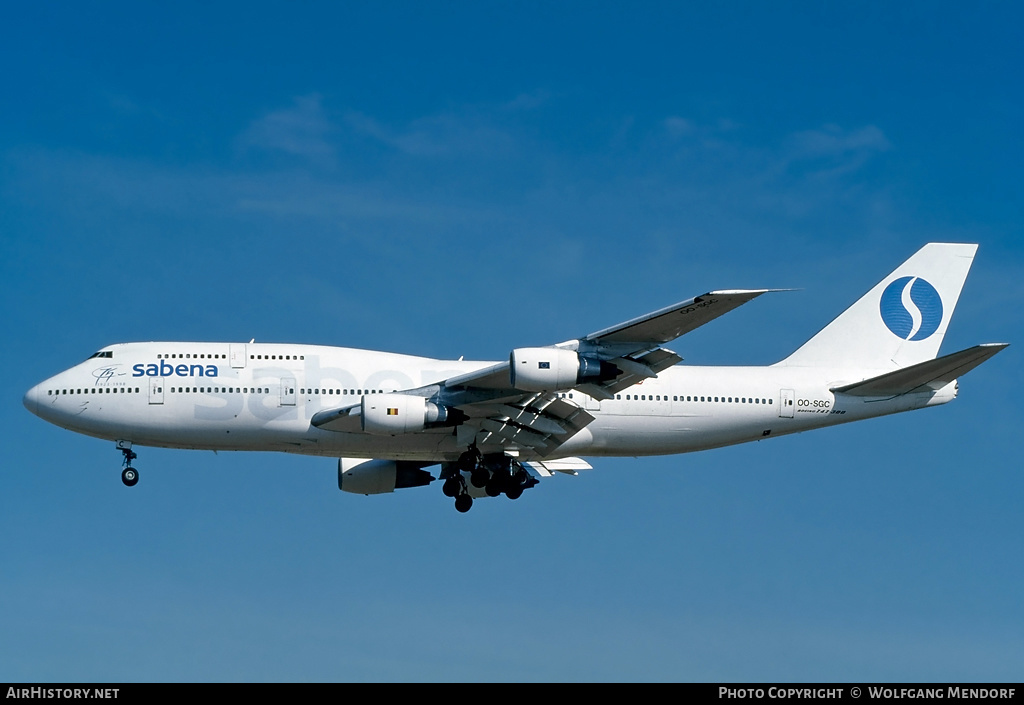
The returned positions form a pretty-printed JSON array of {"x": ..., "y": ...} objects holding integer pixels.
[
  {"x": 661, "y": 435},
  {"x": 412, "y": 446}
]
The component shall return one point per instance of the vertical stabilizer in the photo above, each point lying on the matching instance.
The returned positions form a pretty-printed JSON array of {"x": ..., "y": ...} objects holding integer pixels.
[{"x": 901, "y": 321}]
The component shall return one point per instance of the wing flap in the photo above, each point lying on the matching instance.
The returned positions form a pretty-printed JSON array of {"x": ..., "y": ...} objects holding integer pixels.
[
  {"x": 541, "y": 422},
  {"x": 935, "y": 373},
  {"x": 569, "y": 466},
  {"x": 637, "y": 370}
]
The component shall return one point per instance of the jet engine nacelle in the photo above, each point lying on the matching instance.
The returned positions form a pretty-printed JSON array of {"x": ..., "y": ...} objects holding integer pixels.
[
  {"x": 361, "y": 476},
  {"x": 548, "y": 369},
  {"x": 393, "y": 414}
]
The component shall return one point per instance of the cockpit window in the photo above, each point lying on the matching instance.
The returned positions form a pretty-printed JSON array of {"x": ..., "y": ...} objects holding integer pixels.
[{"x": 103, "y": 353}]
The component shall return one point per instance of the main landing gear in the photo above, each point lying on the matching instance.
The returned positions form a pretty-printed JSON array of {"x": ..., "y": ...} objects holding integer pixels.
[
  {"x": 129, "y": 476},
  {"x": 455, "y": 484},
  {"x": 494, "y": 473}
]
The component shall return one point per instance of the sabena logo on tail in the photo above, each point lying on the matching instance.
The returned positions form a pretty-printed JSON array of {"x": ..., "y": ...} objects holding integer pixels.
[
  {"x": 899, "y": 322},
  {"x": 911, "y": 308}
]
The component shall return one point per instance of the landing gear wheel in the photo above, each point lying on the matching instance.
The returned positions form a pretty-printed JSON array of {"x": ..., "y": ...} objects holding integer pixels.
[
  {"x": 514, "y": 492},
  {"x": 451, "y": 487},
  {"x": 129, "y": 476},
  {"x": 463, "y": 503}
]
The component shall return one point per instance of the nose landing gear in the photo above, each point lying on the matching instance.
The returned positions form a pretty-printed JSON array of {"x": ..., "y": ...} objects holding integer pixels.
[{"x": 129, "y": 476}]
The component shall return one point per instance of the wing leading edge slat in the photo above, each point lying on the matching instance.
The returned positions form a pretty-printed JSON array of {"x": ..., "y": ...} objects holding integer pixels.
[{"x": 669, "y": 323}]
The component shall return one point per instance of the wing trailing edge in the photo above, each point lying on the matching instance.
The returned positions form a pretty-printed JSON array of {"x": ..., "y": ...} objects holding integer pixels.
[{"x": 568, "y": 466}]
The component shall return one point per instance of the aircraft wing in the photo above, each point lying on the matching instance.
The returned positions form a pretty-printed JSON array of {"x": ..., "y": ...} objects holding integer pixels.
[
  {"x": 633, "y": 346},
  {"x": 673, "y": 321},
  {"x": 526, "y": 402},
  {"x": 540, "y": 421}
]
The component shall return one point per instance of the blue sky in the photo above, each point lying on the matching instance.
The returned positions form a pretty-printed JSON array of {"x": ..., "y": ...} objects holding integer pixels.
[{"x": 460, "y": 179}]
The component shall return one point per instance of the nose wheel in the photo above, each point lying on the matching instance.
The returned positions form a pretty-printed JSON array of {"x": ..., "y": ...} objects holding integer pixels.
[{"x": 129, "y": 476}]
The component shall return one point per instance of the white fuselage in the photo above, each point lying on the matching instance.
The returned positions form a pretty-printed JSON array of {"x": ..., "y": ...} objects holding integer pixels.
[{"x": 228, "y": 396}]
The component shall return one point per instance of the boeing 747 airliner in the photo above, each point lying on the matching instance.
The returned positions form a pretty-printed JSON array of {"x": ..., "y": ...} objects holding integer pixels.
[{"x": 497, "y": 427}]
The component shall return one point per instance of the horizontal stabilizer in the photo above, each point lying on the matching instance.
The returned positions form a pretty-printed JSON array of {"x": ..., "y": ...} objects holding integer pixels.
[{"x": 936, "y": 373}]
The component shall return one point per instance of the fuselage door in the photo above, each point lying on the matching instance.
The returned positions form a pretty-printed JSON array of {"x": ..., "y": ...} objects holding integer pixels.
[
  {"x": 237, "y": 355},
  {"x": 787, "y": 400},
  {"x": 156, "y": 390},
  {"x": 287, "y": 392}
]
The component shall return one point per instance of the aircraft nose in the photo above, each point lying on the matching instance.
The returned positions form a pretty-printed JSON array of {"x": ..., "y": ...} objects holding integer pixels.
[{"x": 31, "y": 400}]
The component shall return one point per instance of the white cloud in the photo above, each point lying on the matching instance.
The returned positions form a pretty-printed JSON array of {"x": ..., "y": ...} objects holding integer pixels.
[
  {"x": 443, "y": 135},
  {"x": 301, "y": 130},
  {"x": 831, "y": 150},
  {"x": 527, "y": 101},
  {"x": 677, "y": 126}
]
